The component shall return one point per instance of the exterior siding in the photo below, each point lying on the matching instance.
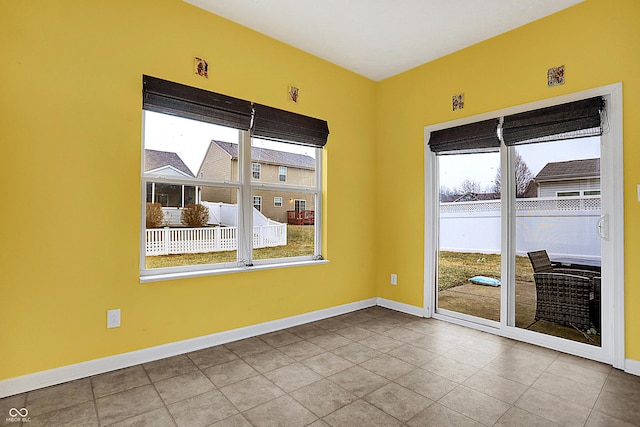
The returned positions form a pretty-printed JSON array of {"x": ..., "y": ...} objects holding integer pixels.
[
  {"x": 295, "y": 176},
  {"x": 217, "y": 164},
  {"x": 550, "y": 188}
]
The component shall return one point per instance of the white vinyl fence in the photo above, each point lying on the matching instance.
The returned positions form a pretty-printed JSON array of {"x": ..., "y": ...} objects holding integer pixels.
[
  {"x": 165, "y": 241},
  {"x": 564, "y": 227}
]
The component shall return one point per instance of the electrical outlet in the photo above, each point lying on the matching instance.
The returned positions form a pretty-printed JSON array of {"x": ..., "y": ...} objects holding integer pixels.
[
  {"x": 113, "y": 318},
  {"x": 394, "y": 279}
]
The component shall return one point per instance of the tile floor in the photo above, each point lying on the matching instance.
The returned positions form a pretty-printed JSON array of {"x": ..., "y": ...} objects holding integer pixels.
[{"x": 373, "y": 367}]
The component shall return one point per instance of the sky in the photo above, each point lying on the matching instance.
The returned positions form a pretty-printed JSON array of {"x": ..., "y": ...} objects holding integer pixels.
[
  {"x": 482, "y": 167},
  {"x": 190, "y": 138}
]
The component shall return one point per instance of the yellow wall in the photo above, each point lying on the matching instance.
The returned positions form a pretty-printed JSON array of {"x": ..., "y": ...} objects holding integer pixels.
[
  {"x": 597, "y": 41},
  {"x": 70, "y": 141},
  {"x": 70, "y": 135}
]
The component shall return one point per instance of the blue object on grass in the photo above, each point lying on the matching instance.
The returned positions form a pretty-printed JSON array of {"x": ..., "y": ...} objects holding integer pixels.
[{"x": 482, "y": 280}]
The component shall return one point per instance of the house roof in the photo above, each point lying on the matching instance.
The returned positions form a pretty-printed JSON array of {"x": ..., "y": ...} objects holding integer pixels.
[
  {"x": 583, "y": 168},
  {"x": 265, "y": 155},
  {"x": 154, "y": 159}
]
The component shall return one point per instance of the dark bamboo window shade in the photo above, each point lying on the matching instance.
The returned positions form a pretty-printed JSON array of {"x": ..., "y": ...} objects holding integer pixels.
[
  {"x": 266, "y": 122},
  {"x": 473, "y": 137},
  {"x": 576, "y": 119}
]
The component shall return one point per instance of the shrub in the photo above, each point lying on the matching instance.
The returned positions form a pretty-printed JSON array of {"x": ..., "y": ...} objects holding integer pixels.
[
  {"x": 195, "y": 216},
  {"x": 155, "y": 216}
]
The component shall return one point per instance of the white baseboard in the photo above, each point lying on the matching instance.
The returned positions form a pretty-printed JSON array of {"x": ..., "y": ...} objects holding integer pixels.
[
  {"x": 63, "y": 374},
  {"x": 401, "y": 307},
  {"x": 76, "y": 371},
  {"x": 632, "y": 366}
]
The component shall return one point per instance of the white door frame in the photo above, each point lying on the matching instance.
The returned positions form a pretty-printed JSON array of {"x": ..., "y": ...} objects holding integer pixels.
[{"x": 612, "y": 350}]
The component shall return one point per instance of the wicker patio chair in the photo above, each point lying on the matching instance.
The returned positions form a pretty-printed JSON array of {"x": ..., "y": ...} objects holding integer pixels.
[
  {"x": 565, "y": 299},
  {"x": 566, "y": 296},
  {"x": 542, "y": 264}
]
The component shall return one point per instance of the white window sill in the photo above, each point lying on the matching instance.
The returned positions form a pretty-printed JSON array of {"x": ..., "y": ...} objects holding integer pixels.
[{"x": 148, "y": 278}]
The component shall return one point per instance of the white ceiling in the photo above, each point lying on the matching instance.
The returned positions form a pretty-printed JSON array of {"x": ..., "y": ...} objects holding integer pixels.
[{"x": 381, "y": 38}]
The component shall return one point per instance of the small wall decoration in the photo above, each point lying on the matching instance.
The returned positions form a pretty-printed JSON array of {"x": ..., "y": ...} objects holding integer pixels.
[
  {"x": 201, "y": 67},
  {"x": 555, "y": 76},
  {"x": 293, "y": 94},
  {"x": 457, "y": 102}
]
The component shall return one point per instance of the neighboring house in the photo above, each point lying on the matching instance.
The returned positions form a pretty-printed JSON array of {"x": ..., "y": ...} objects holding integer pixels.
[
  {"x": 568, "y": 179},
  {"x": 269, "y": 167},
  {"x": 169, "y": 164}
]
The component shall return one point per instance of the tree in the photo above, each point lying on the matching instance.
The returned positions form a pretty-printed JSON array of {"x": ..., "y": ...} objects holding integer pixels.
[
  {"x": 446, "y": 193},
  {"x": 470, "y": 186},
  {"x": 523, "y": 177}
]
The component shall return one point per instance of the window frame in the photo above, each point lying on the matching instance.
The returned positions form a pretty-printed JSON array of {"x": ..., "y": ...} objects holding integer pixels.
[
  {"x": 277, "y": 204},
  {"x": 247, "y": 118},
  {"x": 256, "y": 170},
  {"x": 245, "y": 186},
  {"x": 282, "y": 177}
]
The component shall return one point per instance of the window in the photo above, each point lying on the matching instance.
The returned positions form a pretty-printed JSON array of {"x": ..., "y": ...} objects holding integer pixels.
[
  {"x": 256, "y": 169},
  {"x": 567, "y": 193},
  {"x": 577, "y": 193},
  {"x": 205, "y": 171},
  {"x": 300, "y": 205},
  {"x": 257, "y": 203}
]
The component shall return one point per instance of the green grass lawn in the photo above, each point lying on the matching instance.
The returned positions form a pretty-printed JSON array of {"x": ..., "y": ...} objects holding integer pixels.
[
  {"x": 455, "y": 268},
  {"x": 299, "y": 243}
]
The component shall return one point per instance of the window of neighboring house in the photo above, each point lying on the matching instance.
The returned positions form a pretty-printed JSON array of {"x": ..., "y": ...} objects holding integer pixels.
[
  {"x": 300, "y": 205},
  {"x": 201, "y": 215},
  {"x": 257, "y": 202},
  {"x": 256, "y": 170},
  {"x": 282, "y": 174},
  {"x": 567, "y": 193}
]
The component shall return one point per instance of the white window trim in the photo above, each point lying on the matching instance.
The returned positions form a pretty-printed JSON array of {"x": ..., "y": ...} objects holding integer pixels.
[
  {"x": 280, "y": 169},
  {"x": 278, "y": 204},
  {"x": 613, "y": 250},
  {"x": 245, "y": 187}
]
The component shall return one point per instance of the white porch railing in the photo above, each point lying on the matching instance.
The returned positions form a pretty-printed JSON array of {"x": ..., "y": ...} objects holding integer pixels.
[{"x": 165, "y": 241}]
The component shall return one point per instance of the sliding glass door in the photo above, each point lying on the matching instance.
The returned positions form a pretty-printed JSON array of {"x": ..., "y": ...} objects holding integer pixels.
[{"x": 520, "y": 208}]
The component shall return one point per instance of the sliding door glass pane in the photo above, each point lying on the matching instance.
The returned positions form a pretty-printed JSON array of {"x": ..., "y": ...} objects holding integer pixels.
[
  {"x": 557, "y": 214},
  {"x": 469, "y": 235}
]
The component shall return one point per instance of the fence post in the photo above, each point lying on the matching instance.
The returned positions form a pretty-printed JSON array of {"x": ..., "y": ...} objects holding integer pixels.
[{"x": 166, "y": 236}]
